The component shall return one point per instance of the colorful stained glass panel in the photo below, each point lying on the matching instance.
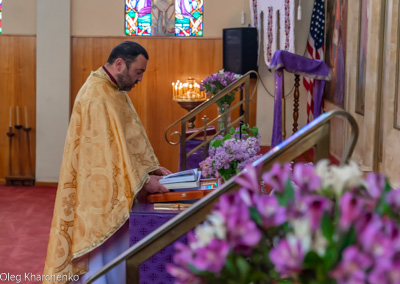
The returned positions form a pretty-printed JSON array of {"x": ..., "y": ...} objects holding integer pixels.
[
  {"x": 189, "y": 17},
  {"x": 164, "y": 17},
  {"x": 138, "y": 17},
  {"x": 1, "y": 6}
]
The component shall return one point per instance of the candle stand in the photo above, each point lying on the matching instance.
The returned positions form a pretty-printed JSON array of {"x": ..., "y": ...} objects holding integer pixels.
[
  {"x": 189, "y": 105},
  {"x": 19, "y": 178}
]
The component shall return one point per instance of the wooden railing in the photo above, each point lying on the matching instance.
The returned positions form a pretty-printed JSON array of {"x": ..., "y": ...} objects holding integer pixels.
[
  {"x": 314, "y": 135},
  {"x": 244, "y": 104}
]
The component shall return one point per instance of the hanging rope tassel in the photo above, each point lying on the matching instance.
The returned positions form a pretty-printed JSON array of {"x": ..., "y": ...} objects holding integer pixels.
[{"x": 299, "y": 11}]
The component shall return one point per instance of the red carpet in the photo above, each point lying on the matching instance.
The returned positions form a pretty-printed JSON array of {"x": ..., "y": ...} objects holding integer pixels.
[{"x": 25, "y": 218}]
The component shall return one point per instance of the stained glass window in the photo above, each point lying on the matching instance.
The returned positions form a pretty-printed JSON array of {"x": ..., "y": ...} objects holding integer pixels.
[
  {"x": 189, "y": 17},
  {"x": 138, "y": 17},
  {"x": 1, "y": 6},
  {"x": 164, "y": 17}
]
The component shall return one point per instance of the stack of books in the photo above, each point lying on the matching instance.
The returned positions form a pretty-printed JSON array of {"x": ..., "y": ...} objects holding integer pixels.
[{"x": 182, "y": 180}]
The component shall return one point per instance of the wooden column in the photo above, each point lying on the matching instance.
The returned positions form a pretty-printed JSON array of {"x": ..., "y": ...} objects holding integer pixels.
[{"x": 296, "y": 102}]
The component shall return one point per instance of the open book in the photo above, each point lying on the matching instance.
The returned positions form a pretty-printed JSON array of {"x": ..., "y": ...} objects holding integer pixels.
[{"x": 185, "y": 179}]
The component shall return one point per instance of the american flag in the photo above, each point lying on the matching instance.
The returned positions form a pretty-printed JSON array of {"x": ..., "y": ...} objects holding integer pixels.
[{"x": 315, "y": 50}]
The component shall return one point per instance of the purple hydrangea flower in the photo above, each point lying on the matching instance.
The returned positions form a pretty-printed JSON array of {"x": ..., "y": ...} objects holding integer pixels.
[{"x": 230, "y": 158}]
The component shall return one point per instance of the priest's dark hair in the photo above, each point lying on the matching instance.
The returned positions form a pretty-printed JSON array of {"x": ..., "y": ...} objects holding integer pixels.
[{"x": 128, "y": 51}]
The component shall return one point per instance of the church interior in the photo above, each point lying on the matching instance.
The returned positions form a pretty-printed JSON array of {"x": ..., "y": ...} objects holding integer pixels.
[{"x": 49, "y": 48}]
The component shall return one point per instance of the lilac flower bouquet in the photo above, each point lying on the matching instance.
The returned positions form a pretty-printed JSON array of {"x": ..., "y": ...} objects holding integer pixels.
[
  {"x": 320, "y": 224},
  {"x": 217, "y": 82},
  {"x": 230, "y": 154}
]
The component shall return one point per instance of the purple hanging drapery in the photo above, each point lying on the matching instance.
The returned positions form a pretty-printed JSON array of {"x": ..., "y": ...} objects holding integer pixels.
[{"x": 299, "y": 65}]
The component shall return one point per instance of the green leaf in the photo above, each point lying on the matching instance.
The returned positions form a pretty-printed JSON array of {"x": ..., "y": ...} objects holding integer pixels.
[
  {"x": 312, "y": 260},
  {"x": 287, "y": 196},
  {"x": 327, "y": 226},
  {"x": 255, "y": 215},
  {"x": 243, "y": 267},
  {"x": 229, "y": 265},
  {"x": 383, "y": 207},
  {"x": 331, "y": 256},
  {"x": 205, "y": 273},
  {"x": 216, "y": 143},
  {"x": 232, "y": 131},
  {"x": 348, "y": 239},
  {"x": 226, "y": 137},
  {"x": 254, "y": 130},
  {"x": 284, "y": 281}
]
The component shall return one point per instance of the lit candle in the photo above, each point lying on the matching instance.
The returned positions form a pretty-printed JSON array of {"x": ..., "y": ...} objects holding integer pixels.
[
  {"x": 26, "y": 117},
  {"x": 10, "y": 116},
  {"x": 18, "y": 115}
]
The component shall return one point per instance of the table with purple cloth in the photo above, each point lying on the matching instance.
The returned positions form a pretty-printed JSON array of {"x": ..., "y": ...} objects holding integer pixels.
[
  {"x": 142, "y": 221},
  {"x": 317, "y": 70}
]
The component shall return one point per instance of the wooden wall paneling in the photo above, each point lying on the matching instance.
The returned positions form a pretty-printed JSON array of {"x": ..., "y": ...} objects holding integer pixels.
[
  {"x": 17, "y": 88},
  {"x": 170, "y": 59}
]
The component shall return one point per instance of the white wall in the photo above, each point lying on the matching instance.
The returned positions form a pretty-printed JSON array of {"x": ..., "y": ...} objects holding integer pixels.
[
  {"x": 265, "y": 102},
  {"x": 19, "y": 17},
  {"x": 52, "y": 86},
  {"x": 106, "y": 17}
]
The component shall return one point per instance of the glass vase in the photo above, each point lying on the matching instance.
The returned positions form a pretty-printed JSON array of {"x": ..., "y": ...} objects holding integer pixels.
[{"x": 225, "y": 117}]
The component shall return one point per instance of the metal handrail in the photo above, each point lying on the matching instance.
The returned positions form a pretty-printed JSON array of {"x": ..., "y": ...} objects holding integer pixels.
[
  {"x": 182, "y": 139},
  {"x": 314, "y": 135}
]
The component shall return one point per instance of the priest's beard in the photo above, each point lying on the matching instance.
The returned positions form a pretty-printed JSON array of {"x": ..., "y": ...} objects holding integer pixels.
[{"x": 125, "y": 83}]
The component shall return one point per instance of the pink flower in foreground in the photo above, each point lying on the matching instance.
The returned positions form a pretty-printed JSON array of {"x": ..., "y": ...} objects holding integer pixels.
[
  {"x": 386, "y": 271},
  {"x": 375, "y": 184},
  {"x": 212, "y": 257},
  {"x": 182, "y": 276},
  {"x": 288, "y": 256},
  {"x": 316, "y": 206},
  {"x": 242, "y": 232},
  {"x": 305, "y": 178},
  {"x": 278, "y": 176},
  {"x": 352, "y": 268},
  {"x": 350, "y": 209},
  {"x": 271, "y": 213},
  {"x": 374, "y": 241},
  {"x": 393, "y": 199},
  {"x": 249, "y": 178},
  {"x": 182, "y": 258}
]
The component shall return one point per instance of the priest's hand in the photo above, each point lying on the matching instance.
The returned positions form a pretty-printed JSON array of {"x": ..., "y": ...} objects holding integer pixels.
[
  {"x": 154, "y": 186},
  {"x": 161, "y": 171}
]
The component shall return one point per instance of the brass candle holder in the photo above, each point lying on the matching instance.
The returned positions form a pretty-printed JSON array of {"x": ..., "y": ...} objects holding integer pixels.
[{"x": 188, "y": 96}]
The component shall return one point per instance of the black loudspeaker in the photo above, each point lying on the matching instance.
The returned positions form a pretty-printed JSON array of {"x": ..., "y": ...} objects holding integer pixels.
[{"x": 240, "y": 50}]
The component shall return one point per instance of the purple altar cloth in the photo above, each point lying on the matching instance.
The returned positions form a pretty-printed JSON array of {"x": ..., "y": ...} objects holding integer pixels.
[
  {"x": 142, "y": 221},
  {"x": 193, "y": 160},
  {"x": 299, "y": 65}
]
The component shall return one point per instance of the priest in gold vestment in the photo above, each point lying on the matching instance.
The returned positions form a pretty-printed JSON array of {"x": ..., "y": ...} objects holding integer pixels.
[{"x": 107, "y": 161}]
